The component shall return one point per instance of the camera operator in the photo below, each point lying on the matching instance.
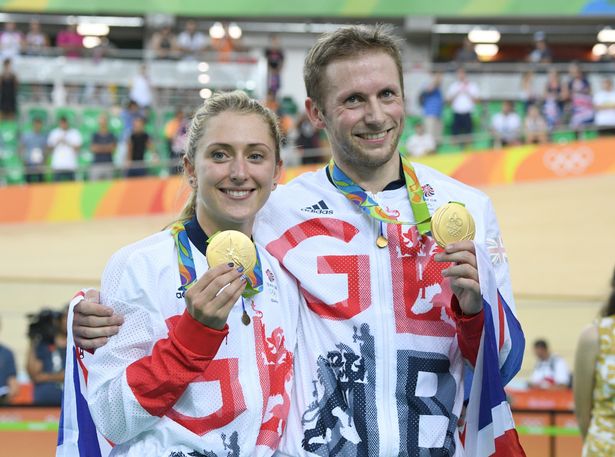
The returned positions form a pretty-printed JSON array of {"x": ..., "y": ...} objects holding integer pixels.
[{"x": 47, "y": 355}]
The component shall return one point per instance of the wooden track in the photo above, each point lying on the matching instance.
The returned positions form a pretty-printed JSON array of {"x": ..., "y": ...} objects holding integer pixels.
[{"x": 559, "y": 237}]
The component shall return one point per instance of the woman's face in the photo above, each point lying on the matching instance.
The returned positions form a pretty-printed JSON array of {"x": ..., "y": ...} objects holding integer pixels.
[{"x": 234, "y": 170}]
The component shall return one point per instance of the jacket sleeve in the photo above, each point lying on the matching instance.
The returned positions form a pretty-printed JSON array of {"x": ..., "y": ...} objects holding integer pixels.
[{"x": 142, "y": 371}]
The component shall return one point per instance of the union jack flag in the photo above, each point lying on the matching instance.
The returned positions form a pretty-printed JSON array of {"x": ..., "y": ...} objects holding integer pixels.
[
  {"x": 490, "y": 429},
  {"x": 496, "y": 250},
  {"x": 77, "y": 434}
]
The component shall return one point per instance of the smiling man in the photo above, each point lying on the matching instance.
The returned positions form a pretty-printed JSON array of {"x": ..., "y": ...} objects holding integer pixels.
[{"x": 390, "y": 322}]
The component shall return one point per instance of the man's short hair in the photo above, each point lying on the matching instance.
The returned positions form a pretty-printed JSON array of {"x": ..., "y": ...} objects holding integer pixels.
[
  {"x": 541, "y": 344},
  {"x": 344, "y": 43}
]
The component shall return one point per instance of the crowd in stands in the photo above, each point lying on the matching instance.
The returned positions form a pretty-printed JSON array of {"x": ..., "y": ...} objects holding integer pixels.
[
  {"x": 81, "y": 132},
  {"x": 456, "y": 117}
]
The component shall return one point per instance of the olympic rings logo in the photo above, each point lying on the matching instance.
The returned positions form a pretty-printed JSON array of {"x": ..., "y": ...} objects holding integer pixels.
[{"x": 568, "y": 161}]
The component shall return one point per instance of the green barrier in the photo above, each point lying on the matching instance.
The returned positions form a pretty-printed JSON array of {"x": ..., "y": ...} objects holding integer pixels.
[
  {"x": 28, "y": 426},
  {"x": 547, "y": 430}
]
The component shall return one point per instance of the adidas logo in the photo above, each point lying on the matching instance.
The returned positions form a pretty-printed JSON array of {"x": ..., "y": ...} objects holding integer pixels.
[{"x": 319, "y": 208}]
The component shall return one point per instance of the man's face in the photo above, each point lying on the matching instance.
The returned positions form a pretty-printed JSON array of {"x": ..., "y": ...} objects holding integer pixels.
[
  {"x": 363, "y": 110},
  {"x": 541, "y": 353}
]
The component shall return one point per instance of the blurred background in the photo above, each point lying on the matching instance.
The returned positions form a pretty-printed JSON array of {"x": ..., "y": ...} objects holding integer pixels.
[{"x": 95, "y": 100}]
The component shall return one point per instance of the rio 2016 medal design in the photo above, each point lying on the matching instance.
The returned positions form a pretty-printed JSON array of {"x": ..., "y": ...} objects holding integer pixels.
[
  {"x": 231, "y": 246},
  {"x": 451, "y": 223}
]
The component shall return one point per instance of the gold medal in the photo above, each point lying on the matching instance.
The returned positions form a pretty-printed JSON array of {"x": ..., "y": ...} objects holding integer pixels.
[
  {"x": 231, "y": 246},
  {"x": 451, "y": 223},
  {"x": 382, "y": 242}
]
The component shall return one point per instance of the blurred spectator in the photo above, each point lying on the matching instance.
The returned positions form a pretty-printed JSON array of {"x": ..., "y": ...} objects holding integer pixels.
[
  {"x": 594, "y": 382},
  {"x": 191, "y": 42},
  {"x": 541, "y": 52},
  {"x": 604, "y": 104},
  {"x": 535, "y": 128},
  {"x": 141, "y": 89},
  {"x": 65, "y": 143},
  {"x": 553, "y": 99},
  {"x": 529, "y": 93},
  {"x": 308, "y": 141},
  {"x": 506, "y": 126},
  {"x": 8, "y": 375},
  {"x": 8, "y": 91},
  {"x": 275, "y": 62},
  {"x": 127, "y": 116},
  {"x": 175, "y": 132},
  {"x": 33, "y": 147},
  {"x": 164, "y": 44},
  {"x": 551, "y": 371},
  {"x": 462, "y": 94},
  {"x": 225, "y": 45},
  {"x": 11, "y": 41},
  {"x": 420, "y": 142},
  {"x": 36, "y": 41},
  {"x": 432, "y": 104},
  {"x": 579, "y": 96},
  {"x": 103, "y": 146},
  {"x": 138, "y": 144},
  {"x": 46, "y": 356},
  {"x": 70, "y": 41},
  {"x": 466, "y": 53}
]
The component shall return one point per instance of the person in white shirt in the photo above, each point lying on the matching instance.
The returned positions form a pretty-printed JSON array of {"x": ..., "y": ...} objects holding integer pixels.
[
  {"x": 420, "y": 142},
  {"x": 11, "y": 42},
  {"x": 506, "y": 126},
  {"x": 551, "y": 371},
  {"x": 65, "y": 143},
  {"x": 604, "y": 106},
  {"x": 141, "y": 89},
  {"x": 462, "y": 95},
  {"x": 191, "y": 42}
]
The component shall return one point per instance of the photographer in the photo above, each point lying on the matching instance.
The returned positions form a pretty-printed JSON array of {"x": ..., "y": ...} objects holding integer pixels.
[{"x": 47, "y": 355}]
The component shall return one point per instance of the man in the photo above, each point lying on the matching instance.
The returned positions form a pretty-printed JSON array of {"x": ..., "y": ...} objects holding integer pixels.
[
  {"x": 506, "y": 126},
  {"x": 382, "y": 341},
  {"x": 33, "y": 148},
  {"x": 463, "y": 95},
  {"x": 103, "y": 146},
  {"x": 65, "y": 143},
  {"x": 421, "y": 142},
  {"x": 551, "y": 371}
]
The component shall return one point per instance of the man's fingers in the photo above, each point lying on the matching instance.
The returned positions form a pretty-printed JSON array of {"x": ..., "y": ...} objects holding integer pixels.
[
  {"x": 83, "y": 320},
  {"x": 465, "y": 245},
  {"x": 92, "y": 308},
  {"x": 458, "y": 257},
  {"x": 91, "y": 343},
  {"x": 92, "y": 295},
  {"x": 96, "y": 332},
  {"x": 463, "y": 270}
]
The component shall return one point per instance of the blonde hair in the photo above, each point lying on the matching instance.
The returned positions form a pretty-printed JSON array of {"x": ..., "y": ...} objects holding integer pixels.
[
  {"x": 344, "y": 43},
  {"x": 236, "y": 102}
]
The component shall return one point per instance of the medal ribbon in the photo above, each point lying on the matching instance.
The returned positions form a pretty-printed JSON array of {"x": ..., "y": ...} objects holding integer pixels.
[
  {"x": 369, "y": 206},
  {"x": 187, "y": 272}
]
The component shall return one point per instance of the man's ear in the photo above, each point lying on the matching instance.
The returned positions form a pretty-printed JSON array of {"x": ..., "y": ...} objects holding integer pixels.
[{"x": 314, "y": 113}]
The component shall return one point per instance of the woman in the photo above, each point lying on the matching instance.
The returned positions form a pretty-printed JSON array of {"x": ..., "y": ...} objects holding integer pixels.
[
  {"x": 554, "y": 99},
  {"x": 184, "y": 376},
  {"x": 594, "y": 383}
]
